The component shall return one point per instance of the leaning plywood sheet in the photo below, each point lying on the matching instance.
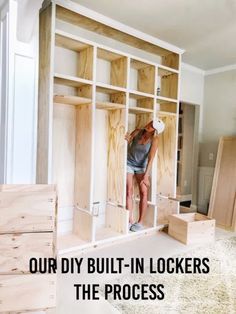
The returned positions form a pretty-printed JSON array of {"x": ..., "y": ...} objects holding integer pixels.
[
  {"x": 27, "y": 292},
  {"x": 83, "y": 156},
  {"x": 116, "y": 156},
  {"x": 222, "y": 202},
  {"x": 166, "y": 167},
  {"x": 27, "y": 211},
  {"x": 17, "y": 249}
]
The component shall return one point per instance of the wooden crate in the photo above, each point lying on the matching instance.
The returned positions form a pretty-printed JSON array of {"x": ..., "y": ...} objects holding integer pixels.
[
  {"x": 27, "y": 292},
  {"x": 17, "y": 249},
  {"x": 192, "y": 228}
]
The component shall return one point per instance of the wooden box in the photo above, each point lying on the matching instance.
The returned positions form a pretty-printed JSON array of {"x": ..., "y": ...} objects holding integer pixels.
[
  {"x": 27, "y": 292},
  {"x": 192, "y": 228}
]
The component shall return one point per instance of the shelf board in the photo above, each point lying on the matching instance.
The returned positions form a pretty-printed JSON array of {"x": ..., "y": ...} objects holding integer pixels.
[
  {"x": 161, "y": 99},
  {"x": 108, "y": 105},
  {"x": 164, "y": 113},
  {"x": 140, "y": 110},
  {"x": 167, "y": 69},
  {"x": 139, "y": 95},
  {"x": 71, "y": 100},
  {"x": 138, "y": 64},
  {"x": 109, "y": 89},
  {"x": 108, "y": 55},
  {"x": 68, "y": 80},
  {"x": 69, "y": 43}
]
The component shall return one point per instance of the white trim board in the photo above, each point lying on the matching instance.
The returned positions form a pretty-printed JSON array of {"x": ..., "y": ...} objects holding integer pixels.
[{"x": 221, "y": 69}]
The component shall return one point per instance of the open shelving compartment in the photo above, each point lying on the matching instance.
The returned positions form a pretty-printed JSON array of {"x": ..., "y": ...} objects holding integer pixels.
[
  {"x": 109, "y": 173},
  {"x": 86, "y": 104},
  {"x": 138, "y": 120}
]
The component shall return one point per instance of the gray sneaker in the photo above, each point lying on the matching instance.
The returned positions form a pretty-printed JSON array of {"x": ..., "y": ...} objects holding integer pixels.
[{"x": 136, "y": 227}]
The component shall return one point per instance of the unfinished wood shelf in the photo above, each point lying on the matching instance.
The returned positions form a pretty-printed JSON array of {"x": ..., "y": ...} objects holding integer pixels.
[
  {"x": 109, "y": 92},
  {"x": 71, "y": 100}
]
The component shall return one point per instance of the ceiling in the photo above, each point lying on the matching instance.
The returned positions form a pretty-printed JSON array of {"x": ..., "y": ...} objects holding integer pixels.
[{"x": 205, "y": 29}]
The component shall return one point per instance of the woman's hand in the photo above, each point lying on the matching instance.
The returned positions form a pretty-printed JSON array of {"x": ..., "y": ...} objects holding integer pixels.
[
  {"x": 128, "y": 137},
  {"x": 145, "y": 181}
]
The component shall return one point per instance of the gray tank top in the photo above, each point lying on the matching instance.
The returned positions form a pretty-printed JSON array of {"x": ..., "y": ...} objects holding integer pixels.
[{"x": 138, "y": 153}]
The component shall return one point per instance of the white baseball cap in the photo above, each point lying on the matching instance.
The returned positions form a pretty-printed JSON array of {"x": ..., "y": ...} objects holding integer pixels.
[{"x": 158, "y": 125}]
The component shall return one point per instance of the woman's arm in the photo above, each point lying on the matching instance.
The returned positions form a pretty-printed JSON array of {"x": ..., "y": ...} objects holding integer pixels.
[
  {"x": 150, "y": 160},
  {"x": 129, "y": 136}
]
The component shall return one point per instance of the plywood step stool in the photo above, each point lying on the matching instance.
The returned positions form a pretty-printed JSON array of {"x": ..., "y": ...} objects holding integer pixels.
[{"x": 27, "y": 229}]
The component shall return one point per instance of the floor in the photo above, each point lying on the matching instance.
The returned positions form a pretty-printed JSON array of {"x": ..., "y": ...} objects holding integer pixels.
[{"x": 155, "y": 246}]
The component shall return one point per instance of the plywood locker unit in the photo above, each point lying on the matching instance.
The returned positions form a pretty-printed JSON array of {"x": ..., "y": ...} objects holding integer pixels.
[
  {"x": 27, "y": 229},
  {"x": 86, "y": 104},
  {"x": 222, "y": 201}
]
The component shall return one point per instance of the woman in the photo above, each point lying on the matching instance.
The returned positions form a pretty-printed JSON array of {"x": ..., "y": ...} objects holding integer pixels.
[{"x": 141, "y": 152}]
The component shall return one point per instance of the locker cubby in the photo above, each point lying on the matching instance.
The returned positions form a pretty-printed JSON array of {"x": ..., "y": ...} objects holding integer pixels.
[
  {"x": 166, "y": 106},
  {"x": 108, "y": 98},
  {"x": 167, "y": 83},
  {"x": 111, "y": 68},
  {"x": 142, "y": 77},
  {"x": 138, "y": 120},
  {"x": 140, "y": 104},
  {"x": 109, "y": 173},
  {"x": 78, "y": 56}
]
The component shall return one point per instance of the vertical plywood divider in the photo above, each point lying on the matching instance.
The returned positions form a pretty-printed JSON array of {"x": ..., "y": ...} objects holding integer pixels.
[
  {"x": 116, "y": 151},
  {"x": 85, "y": 63},
  {"x": 45, "y": 101},
  {"x": 166, "y": 169},
  {"x": 165, "y": 208},
  {"x": 83, "y": 156},
  {"x": 117, "y": 218},
  {"x": 119, "y": 72},
  {"x": 169, "y": 85},
  {"x": 146, "y": 79},
  {"x": 171, "y": 60},
  {"x": 84, "y": 225}
]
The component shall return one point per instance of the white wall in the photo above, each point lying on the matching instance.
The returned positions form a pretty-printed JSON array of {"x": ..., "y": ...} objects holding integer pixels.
[{"x": 219, "y": 113}]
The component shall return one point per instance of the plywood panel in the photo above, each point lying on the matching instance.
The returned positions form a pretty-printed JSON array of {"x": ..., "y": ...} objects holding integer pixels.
[
  {"x": 169, "y": 86},
  {"x": 27, "y": 188},
  {"x": 117, "y": 218},
  {"x": 116, "y": 156},
  {"x": 17, "y": 249},
  {"x": 27, "y": 211},
  {"x": 64, "y": 134},
  {"x": 46, "y": 44},
  {"x": 27, "y": 292},
  {"x": 165, "y": 208},
  {"x": 105, "y": 30},
  {"x": 83, "y": 225},
  {"x": 146, "y": 79},
  {"x": 224, "y": 184},
  {"x": 119, "y": 72},
  {"x": 85, "y": 63},
  {"x": 83, "y": 156},
  {"x": 171, "y": 60},
  {"x": 166, "y": 163}
]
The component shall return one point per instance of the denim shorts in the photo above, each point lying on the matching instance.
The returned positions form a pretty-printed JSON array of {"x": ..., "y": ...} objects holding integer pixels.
[{"x": 135, "y": 170}]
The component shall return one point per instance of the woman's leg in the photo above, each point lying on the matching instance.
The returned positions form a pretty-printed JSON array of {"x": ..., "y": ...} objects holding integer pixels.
[
  {"x": 129, "y": 195},
  {"x": 143, "y": 191}
]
